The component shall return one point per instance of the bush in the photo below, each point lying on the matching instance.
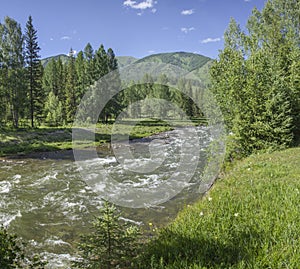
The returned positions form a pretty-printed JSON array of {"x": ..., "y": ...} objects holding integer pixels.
[{"x": 12, "y": 253}]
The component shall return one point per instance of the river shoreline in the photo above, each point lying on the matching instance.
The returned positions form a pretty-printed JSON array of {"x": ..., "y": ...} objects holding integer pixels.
[
  {"x": 63, "y": 154},
  {"x": 102, "y": 149}
]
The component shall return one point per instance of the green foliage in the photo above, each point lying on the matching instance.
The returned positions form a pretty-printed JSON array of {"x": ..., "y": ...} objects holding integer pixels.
[
  {"x": 54, "y": 111},
  {"x": 185, "y": 60},
  {"x": 249, "y": 219},
  {"x": 113, "y": 243},
  {"x": 125, "y": 60},
  {"x": 13, "y": 89},
  {"x": 12, "y": 253},
  {"x": 49, "y": 91},
  {"x": 255, "y": 80},
  {"x": 157, "y": 95},
  {"x": 10, "y": 250}
]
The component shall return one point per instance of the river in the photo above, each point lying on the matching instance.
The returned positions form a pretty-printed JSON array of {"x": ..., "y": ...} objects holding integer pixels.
[{"x": 45, "y": 200}]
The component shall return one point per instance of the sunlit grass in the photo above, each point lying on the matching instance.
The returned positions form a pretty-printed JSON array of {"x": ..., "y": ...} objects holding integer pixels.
[
  {"x": 249, "y": 219},
  {"x": 22, "y": 141}
]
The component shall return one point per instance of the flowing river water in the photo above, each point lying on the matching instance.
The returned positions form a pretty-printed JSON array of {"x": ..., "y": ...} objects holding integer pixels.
[{"x": 44, "y": 199}]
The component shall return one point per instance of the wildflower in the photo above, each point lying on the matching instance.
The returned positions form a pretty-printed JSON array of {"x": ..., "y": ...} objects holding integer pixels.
[
  {"x": 236, "y": 214},
  {"x": 209, "y": 198},
  {"x": 150, "y": 224},
  {"x": 201, "y": 213}
]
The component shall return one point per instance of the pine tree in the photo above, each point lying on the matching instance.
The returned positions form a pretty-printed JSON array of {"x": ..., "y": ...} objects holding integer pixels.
[
  {"x": 82, "y": 80},
  {"x": 34, "y": 69},
  {"x": 100, "y": 63},
  {"x": 89, "y": 63},
  {"x": 71, "y": 89},
  {"x": 112, "y": 60},
  {"x": 112, "y": 243}
]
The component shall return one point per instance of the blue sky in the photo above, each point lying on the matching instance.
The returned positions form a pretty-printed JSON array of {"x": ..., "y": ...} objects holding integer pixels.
[{"x": 130, "y": 27}]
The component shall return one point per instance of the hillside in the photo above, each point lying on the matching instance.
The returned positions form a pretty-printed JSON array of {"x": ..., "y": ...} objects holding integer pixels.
[
  {"x": 186, "y": 60},
  {"x": 191, "y": 62},
  {"x": 125, "y": 60},
  {"x": 64, "y": 58}
]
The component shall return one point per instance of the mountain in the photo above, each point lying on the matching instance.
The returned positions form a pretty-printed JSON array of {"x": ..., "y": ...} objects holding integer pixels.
[
  {"x": 191, "y": 62},
  {"x": 64, "y": 58},
  {"x": 185, "y": 60},
  {"x": 125, "y": 60}
]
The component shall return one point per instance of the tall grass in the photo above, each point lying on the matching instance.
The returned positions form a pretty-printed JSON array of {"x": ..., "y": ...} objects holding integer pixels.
[{"x": 249, "y": 219}]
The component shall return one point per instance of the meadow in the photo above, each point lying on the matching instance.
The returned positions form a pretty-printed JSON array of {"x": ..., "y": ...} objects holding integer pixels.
[{"x": 249, "y": 219}]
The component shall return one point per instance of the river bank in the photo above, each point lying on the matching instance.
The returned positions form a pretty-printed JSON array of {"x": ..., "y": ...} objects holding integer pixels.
[
  {"x": 249, "y": 219},
  {"x": 56, "y": 142}
]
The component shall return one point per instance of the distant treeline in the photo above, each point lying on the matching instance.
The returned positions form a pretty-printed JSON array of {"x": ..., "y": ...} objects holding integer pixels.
[{"x": 31, "y": 94}]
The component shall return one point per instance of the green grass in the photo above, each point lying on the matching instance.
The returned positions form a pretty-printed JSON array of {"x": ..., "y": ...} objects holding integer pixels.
[
  {"x": 26, "y": 140},
  {"x": 249, "y": 219},
  {"x": 22, "y": 141}
]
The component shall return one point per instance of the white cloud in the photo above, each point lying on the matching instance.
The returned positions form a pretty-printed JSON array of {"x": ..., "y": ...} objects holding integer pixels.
[
  {"x": 187, "y": 30},
  {"x": 65, "y": 37},
  {"x": 187, "y": 12},
  {"x": 209, "y": 40},
  {"x": 247, "y": 0},
  {"x": 151, "y": 51},
  {"x": 142, "y": 5},
  {"x": 51, "y": 38},
  {"x": 153, "y": 10}
]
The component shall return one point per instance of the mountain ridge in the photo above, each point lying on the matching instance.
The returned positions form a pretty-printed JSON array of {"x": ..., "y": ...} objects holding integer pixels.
[{"x": 186, "y": 60}]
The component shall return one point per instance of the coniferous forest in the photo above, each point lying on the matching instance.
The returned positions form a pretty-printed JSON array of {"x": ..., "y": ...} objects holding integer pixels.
[{"x": 33, "y": 95}]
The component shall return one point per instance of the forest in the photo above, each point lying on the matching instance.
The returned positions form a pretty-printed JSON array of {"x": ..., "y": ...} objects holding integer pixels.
[{"x": 33, "y": 95}]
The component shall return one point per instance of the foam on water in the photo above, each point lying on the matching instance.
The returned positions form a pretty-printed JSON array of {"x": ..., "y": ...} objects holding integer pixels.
[
  {"x": 56, "y": 261},
  {"x": 56, "y": 241},
  {"x": 6, "y": 219},
  {"x": 44, "y": 179},
  {"x": 5, "y": 186}
]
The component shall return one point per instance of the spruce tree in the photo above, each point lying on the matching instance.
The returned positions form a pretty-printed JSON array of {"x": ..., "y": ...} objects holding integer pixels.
[
  {"x": 89, "y": 63},
  {"x": 113, "y": 243},
  {"x": 71, "y": 89},
  {"x": 82, "y": 79},
  {"x": 34, "y": 71}
]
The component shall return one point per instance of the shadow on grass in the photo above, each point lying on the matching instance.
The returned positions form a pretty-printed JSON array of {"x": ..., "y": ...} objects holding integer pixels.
[
  {"x": 179, "y": 251},
  {"x": 41, "y": 143}
]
